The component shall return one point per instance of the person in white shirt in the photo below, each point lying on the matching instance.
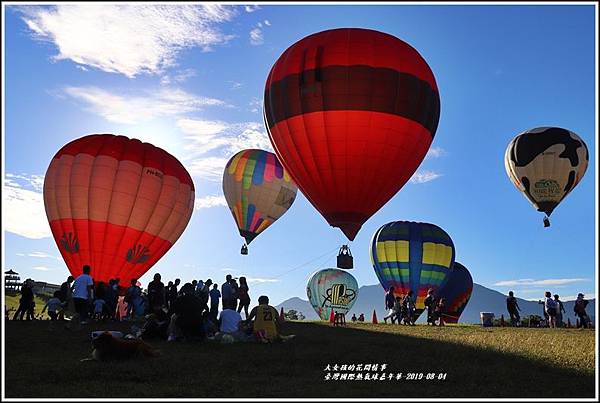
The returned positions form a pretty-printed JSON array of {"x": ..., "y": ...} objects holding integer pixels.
[
  {"x": 231, "y": 322},
  {"x": 82, "y": 294}
]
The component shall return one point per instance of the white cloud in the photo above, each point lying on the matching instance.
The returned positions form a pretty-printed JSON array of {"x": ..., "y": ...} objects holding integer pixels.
[
  {"x": 129, "y": 39},
  {"x": 179, "y": 77},
  {"x": 24, "y": 211},
  {"x": 132, "y": 109},
  {"x": 41, "y": 255},
  {"x": 261, "y": 280},
  {"x": 209, "y": 201},
  {"x": 251, "y": 8},
  {"x": 267, "y": 23},
  {"x": 424, "y": 176},
  {"x": 34, "y": 182},
  {"x": 42, "y": 268},
  {"x": 235, "y": 85},
  {"x": 256, "y": 105},
  {"x": 256, "y": 37},
  {"x": 435, "y": 152},
  {"x": 539, "y": 283},
  {"x": 226, "y": 139}
]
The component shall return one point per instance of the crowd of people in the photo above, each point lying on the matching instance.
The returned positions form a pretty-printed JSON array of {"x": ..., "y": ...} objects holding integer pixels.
[
  {"x": 169, "y": 312},
  {"x": 553, "y": 310},
  {"x": 402, "y": 308}
]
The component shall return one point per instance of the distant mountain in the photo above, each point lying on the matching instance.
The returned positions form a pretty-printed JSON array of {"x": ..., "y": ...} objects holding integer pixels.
[{"x": 482, "y": 300}]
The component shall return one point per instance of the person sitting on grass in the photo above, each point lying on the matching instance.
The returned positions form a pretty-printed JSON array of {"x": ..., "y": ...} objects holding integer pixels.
[
  {"x": 361, "y": 317},
  {"x": 186, "y": 320},
  {"x": 354, "y": 317},
  {"x": 266, "y": 322},
  {"x": 54, "y": 306},
  {"x": 229, "y": 323}
]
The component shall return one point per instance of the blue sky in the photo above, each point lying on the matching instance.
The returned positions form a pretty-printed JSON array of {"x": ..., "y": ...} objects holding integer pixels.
[{"x": 190, "y": 79}]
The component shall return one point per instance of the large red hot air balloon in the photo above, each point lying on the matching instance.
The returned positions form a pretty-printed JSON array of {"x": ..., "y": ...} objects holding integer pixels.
[
  {"x": 116, "y": 204},
  {"x": 351, "y": 114}
]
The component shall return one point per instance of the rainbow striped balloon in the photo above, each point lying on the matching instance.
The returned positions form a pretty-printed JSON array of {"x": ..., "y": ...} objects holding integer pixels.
[
  {"x": 258, "y": 191},
  {"x": 412, "y": 256},
  {"x": 457, "y": 292}
]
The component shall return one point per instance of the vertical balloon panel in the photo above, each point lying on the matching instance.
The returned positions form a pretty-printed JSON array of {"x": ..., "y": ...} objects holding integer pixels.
[
  {"x": 331, "y": 290},
  {"x": 116, "y": 204}
]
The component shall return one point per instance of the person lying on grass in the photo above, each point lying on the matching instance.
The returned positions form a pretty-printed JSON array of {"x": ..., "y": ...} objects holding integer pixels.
[{"x": 266, "y": 322}]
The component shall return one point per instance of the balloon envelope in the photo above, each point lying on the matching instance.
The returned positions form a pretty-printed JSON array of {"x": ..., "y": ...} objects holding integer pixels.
[
  {"x": 331, "y": 290},
  {"x": 116, "y": 204},
  {"x": 351, "y": 114},
  {"x": 412, "y": 256},
  {"x": 545, "y": 164},
  {"x": 457, "y": 292},
  {"x": 258, "y": 191}
]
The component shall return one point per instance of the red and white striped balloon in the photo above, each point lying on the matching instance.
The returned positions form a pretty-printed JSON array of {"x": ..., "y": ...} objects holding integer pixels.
[{"x": 116, "y": 204}]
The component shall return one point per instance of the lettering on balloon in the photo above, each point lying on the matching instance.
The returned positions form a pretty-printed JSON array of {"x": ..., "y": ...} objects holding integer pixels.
[
  {"x": 547, "y": 189},
  {"x": 339, "y": 295},
  {"x": 154, "y": 172},
  {"x": 69, "y": 242},
  {"x": 138, "y": 254}
]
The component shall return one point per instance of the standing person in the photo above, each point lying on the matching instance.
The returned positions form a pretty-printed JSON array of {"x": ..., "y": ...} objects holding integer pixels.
[
  {"x": 25, "y": 301},
  {"x": 226, "y": 293},
  {"x": 550, "y": 307},
  {"x": 204, "y": 295},
  {"x": 430, "y": 305},
  {"x": 133, "y": 298},
  {"x": 579, "y": 309},
  {"x": 390, "y": 299},
  {"x": 112, "y": 298},
  {"x": 83, "y": 287},
  {"x": 54, "y": 306},
  {"x": 186, "y": 319},
  {"x": 243, "y": 296},
  {"x": 66, "y": 296},
  {"x": 234, "y": 294},
  {"x": 215, "y": 295},
  {"x": 394, "y": 312},
  {"x": 173, "y": 293},
  {"x": 409, "y": 302},
  {"x": 156, "y": 294},
  {"x": 559, "y": 311},
  {"x": 513, "y": 309},
  {"x": 440, "y": 308}
]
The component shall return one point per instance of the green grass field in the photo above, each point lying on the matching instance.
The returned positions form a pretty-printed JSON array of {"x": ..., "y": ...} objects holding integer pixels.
[
  {"x": 12, "y": 303},
  {"x": 43, "y": 361}
]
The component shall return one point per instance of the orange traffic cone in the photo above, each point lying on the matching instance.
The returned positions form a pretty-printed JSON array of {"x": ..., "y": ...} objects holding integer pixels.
[
  {"x": 331, "y": 317},
  {"x": 281, "y": 315},
  {"x": 374, "y": 317}
]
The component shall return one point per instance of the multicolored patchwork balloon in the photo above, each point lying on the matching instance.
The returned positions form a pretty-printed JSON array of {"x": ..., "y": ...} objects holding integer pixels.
[
  {"x": 116, "y": 204},
  {"x": 351, "y": 113},
  {"x": 457, "y": 292},
  {"x": 545, "y": 164},
  {"x": 258, "y": 191},
  {"x": 331, "y": 290},
  {"x": 412, "y": 256}
]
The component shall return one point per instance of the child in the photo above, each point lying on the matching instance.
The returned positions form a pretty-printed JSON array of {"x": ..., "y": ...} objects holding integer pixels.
[
  {"x": 54, "y": 305},
  {"x": 99, "y": 309}
]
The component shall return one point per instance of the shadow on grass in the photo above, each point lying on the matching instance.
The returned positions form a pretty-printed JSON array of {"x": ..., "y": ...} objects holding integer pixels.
[{"x": 44, "y": 363}]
